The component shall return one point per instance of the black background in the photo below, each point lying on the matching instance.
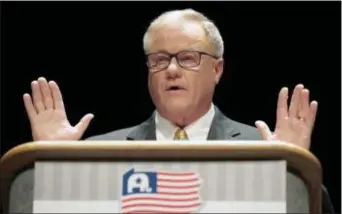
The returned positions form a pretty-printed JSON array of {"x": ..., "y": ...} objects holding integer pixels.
[{"x": 94, "y": 52}]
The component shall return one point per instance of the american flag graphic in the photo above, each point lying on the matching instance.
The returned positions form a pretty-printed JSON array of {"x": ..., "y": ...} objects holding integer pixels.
[{"x": 160, "y": 192}]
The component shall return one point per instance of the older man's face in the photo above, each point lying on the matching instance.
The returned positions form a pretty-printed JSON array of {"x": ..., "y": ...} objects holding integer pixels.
[{"x": 181, "y": 87}]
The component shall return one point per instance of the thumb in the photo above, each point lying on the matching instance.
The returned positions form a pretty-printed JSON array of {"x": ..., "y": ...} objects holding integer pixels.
[
  {"x": 265, "y": 132},
  {"x": 84, "y": 123}
]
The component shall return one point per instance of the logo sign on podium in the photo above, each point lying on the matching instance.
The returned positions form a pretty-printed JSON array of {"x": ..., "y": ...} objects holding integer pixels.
[{"x": 160, "y": 191}]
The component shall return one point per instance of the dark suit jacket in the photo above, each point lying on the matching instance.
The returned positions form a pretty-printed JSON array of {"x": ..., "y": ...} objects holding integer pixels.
[{"x": 222, "y": 128}]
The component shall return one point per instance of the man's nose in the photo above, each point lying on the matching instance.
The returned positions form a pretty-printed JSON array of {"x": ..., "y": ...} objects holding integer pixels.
[{"x": 173, "y": 70}]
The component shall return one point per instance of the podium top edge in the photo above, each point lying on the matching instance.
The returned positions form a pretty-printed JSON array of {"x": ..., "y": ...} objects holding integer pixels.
[
  {"x": 167, "y": 143},
  {"x": 231, "y": 145}
]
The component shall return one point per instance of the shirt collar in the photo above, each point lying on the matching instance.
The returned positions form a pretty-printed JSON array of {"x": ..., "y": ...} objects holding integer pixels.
[{"x": 195, "y": 130}]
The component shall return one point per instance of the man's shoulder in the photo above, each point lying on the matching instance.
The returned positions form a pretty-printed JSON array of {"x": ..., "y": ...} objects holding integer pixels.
[
  {"x": 120, "y": 134},
  {"x": 228, "y": 128},
  {"x": 246, "y": 131}
]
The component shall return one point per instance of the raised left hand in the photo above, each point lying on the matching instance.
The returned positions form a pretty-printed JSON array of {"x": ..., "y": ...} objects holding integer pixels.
[{"x": 295, "y": 123}]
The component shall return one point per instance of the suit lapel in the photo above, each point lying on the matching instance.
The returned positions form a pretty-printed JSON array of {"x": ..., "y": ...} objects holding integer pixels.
[
  {"x": 222, "y": 128},
  {"x": 144, "y": 131}
]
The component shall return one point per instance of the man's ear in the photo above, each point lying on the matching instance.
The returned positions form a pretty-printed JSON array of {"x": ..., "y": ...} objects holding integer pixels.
[{"x": 219, "y": 70}]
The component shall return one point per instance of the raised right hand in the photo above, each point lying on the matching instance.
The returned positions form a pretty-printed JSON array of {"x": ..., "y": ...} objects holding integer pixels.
[{"x": 47, "y": 114}]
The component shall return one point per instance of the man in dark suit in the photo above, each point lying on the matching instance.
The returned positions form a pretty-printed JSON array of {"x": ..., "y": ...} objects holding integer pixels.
[{"x": 184, "y": 52}]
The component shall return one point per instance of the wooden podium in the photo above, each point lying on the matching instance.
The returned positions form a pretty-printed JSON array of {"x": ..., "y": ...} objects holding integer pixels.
[{"x": 232, "y": 173}]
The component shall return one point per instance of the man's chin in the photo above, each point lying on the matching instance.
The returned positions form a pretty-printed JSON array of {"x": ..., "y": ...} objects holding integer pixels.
[{"x": 177, "y": 109}]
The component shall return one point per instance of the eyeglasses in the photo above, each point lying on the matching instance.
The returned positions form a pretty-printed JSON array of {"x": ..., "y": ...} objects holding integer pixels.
[{"x": 186, "y": 59}]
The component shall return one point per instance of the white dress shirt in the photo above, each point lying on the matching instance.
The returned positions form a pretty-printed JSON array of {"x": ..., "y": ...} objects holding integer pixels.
[{"x": 196, "y": 131}]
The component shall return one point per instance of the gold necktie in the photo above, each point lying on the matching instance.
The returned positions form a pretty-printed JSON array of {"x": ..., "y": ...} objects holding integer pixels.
[{"x": 180, "y": 135}]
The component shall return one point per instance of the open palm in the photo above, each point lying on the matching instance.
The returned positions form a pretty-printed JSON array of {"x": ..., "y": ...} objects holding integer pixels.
[
  {"x": 47, "y": 114},
  {"x": 295, "y": 123}
]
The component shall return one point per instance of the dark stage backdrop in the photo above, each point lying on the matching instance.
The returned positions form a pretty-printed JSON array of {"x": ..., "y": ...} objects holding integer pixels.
[{"x": 94, "y": 52}]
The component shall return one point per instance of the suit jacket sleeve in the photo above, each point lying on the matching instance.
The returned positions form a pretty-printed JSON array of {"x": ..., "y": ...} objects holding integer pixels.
[{"x": 327, "y": 206}]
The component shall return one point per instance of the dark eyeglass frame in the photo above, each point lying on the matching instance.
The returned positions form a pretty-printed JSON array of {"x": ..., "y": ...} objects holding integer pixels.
[{"x": 174, "y": 55}]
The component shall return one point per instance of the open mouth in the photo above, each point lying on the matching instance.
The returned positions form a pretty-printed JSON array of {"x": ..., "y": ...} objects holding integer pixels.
[{"x": 175, "y": 88}]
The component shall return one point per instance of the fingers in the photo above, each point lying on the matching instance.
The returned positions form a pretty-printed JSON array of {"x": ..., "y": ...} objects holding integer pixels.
[
  {"x": 304, "y": 104},
  {"x": 264, "y": 130},
  {"x": 84, "y": 123},
  {"x": 300, "y": 106},
  {"x": 308, "y": 110},
  {"x": 282, "y": 108},
  {"x": 56, "y": 95},
  {"x": 296, "y": 101},
  {"x": 312, "y": 113},
  {"x": 30, "y": 109},
  {"x": 37, "y": 97},
  {"x": 46, "y": 93}
]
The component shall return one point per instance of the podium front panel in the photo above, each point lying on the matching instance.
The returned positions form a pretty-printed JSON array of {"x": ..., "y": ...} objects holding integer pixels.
[{"x": 201, "y": 187}]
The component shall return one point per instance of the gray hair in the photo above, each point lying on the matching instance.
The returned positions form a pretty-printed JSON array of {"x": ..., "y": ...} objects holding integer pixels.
[{"x": 209, "y": 27}]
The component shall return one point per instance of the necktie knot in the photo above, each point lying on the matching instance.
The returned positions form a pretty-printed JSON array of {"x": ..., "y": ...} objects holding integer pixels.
[{"x": 180, "y": 134}]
